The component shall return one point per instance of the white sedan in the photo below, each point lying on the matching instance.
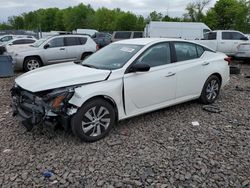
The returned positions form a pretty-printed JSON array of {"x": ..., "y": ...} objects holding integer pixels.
[{"x": 122, "y": 80}]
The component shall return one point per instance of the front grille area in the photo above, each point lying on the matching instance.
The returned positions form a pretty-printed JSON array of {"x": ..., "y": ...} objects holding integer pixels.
[{"x": 24, "y": 104}]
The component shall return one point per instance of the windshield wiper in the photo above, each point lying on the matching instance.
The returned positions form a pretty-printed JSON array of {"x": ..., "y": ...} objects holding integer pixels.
[{"x": 90, "y": 66}]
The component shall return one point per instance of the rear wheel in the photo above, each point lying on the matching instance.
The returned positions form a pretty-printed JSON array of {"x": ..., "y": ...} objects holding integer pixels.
[
  {"x": 31, "y": 63},
  {"x": 94, "y": 120},
  {"x": 211, "y": 90}
]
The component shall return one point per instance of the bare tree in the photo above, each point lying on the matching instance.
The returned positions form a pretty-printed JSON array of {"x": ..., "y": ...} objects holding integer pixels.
[{"x": 195, "y": 10}]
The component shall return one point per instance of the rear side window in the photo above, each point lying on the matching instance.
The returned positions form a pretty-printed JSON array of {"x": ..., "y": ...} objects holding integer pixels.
[
  {"x": 23, "y": 41},
  {"x": 72, "y": 41},
  {"x": 226, "y": 36},
  {"x": 82, "y": 40},
  {"x": 28, "y": 41},
  {"x": 122, "y": 35},
  {"x": 56, "y": 42},
  {"x": 137, "y": 35},
  {"x": 16, "y": 42},
  {"x": 200, "y": 50},
  {"x": 210, "y": 36},
  {"x": 185, "y": 51}
]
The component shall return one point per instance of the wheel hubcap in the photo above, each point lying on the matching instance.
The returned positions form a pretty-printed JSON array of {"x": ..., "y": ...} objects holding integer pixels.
[
  {"x": 33, "y": 64},
  {"x": 212, "y": 90},
  {"x": 95, "y": 121}
]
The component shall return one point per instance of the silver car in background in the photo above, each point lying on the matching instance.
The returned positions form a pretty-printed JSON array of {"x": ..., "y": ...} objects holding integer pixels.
[{"x": 56, "y": 49}]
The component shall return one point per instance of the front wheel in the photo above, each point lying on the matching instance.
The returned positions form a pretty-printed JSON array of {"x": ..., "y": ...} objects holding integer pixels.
[
  {"x": 211, "y": 90},
  {"x": 94, "y": 120},
  {"x": 31, "y": 63}
]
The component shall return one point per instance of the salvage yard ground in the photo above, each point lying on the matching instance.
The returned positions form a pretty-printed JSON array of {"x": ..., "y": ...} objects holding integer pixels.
[{"x": 159, "y": 149}]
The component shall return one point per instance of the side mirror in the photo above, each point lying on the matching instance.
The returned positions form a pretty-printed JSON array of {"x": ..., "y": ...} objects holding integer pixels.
[
  {"x": 46, "y": 46},
  {"x": 139, "y": 68},
  {"x": 244, "y": 38}
]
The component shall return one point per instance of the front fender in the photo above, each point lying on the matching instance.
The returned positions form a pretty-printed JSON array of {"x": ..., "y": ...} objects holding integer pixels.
[{"x": 109, "y": 88}]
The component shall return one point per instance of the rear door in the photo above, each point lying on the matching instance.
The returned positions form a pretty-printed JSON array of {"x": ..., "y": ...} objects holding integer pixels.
[
  {"x": 75, "y": 47},
  {"x": 191, "y": 70}
]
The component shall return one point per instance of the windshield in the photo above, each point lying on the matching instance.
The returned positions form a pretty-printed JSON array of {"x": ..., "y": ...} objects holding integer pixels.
[
  {"x": 112, "y": 57},
  {"x": 39, "y": 43}
]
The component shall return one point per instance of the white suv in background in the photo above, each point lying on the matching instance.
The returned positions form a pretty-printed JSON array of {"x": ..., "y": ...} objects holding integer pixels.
[{"x": 56, "y": 49}]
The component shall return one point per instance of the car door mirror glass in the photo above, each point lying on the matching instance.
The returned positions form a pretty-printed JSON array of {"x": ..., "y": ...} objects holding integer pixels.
[
  {"x": 46, "y": 46},
  {"x": 139, "y": 68}
]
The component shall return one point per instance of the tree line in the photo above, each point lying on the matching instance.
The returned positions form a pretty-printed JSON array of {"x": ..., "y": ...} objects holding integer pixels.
[{"x": 225, "y": 14}]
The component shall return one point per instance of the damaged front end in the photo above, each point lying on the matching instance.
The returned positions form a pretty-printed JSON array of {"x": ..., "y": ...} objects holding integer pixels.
[{"x": 45, "y": 106}]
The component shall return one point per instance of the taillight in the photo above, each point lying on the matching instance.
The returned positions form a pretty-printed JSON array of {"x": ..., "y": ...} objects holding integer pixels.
[
  {"x": 228, "y": 59},
  {"x": 97, "y": 47}
]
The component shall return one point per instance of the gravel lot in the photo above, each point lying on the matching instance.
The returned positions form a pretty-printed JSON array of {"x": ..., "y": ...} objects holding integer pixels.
[{"x": 159, "y": 149}]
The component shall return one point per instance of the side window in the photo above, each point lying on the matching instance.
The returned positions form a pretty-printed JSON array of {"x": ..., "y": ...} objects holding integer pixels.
[
  {"x": 227, "y": 36},
  {"x": 137, "y": 35},
  {"x": 28, "y": 41},
  {"x": 210, "y": 36},
  {"x": 82, "y": 40},
  {"x": 237, "y": 36},
  {"x": 122, "y": 35},
  {"x": 72, "y": 41},
  {"x": 200, "y": 50},
  {"x": 156, "y": 55},
  {"x": 56, "y": 42},
  {"x": 185, "y": 51},
  {"x": 16, "y": 42}
]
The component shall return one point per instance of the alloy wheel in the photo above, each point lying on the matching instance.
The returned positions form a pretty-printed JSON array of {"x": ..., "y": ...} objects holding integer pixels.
[
  {"x": 212, "y": 89},
  {"x": 33, "y": 64},
  {"x": 95, "y": 121}
]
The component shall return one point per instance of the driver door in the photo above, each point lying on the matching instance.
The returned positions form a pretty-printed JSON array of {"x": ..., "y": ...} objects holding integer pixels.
[
  {"x": 146, "y": 91},
  {"x": 56, "y": 52}
]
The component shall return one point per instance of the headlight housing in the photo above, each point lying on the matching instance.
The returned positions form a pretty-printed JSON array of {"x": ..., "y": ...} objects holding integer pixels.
[{"x": 58, "y": 97}]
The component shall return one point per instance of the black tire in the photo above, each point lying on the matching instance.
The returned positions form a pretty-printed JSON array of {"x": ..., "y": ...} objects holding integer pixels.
[
  {"x": 27, "y": 65},
  {"x": 85, "y": 55},
  {"x": 206, "y": 96},
  {"x": 93, "y": 122}
]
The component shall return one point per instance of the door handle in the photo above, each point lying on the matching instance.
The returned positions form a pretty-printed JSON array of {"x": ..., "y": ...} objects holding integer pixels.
[
  {"x": 236, "y": 43},
  {"x": 62, "y": 49},
  {"x": 222, "y": 42},
  {"x": 170, "y": 74},
  {"x": 205, "y": 63}
]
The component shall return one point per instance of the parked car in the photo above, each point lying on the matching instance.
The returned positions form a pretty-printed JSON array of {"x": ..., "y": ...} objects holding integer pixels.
[
  {"x": 122, "y": 80},
  {"x": 56, "y": 49},
  {"x": 182, "y": 30},
  {"x": 102, "y": 39},
  {"x": 6, "y": 38},
  {"x": 122, "y": 35},
  {"x": 225, "y": 41},
  {"x": 18, "y": 44},
  {"x": 243, "y": 52}
]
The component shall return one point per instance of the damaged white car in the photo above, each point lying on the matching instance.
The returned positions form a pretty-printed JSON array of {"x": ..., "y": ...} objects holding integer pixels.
[{"x": 124, "y": 79}]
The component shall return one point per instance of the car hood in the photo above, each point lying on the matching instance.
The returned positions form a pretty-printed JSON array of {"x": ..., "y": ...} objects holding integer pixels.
[{"x": 60, "y": 75}]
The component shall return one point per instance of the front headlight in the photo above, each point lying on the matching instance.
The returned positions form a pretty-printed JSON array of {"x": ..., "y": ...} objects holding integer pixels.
[{"x": 57, "y": 98}]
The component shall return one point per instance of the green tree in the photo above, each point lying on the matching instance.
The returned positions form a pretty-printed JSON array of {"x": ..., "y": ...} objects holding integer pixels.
[{"x": 228, "y": 14}]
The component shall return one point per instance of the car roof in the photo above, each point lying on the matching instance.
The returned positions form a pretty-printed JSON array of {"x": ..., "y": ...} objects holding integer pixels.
[{"x": 146, "y": 41}]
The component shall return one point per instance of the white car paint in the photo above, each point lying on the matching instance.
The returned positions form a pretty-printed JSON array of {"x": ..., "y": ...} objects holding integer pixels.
[
  {"x": 65, "y": 77},
  {"x": 132, "y": 93},
  {"x": 243, "y": 51},
  {"x": 182, "y": 30},
  {"x": 227, "y": 46}
]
